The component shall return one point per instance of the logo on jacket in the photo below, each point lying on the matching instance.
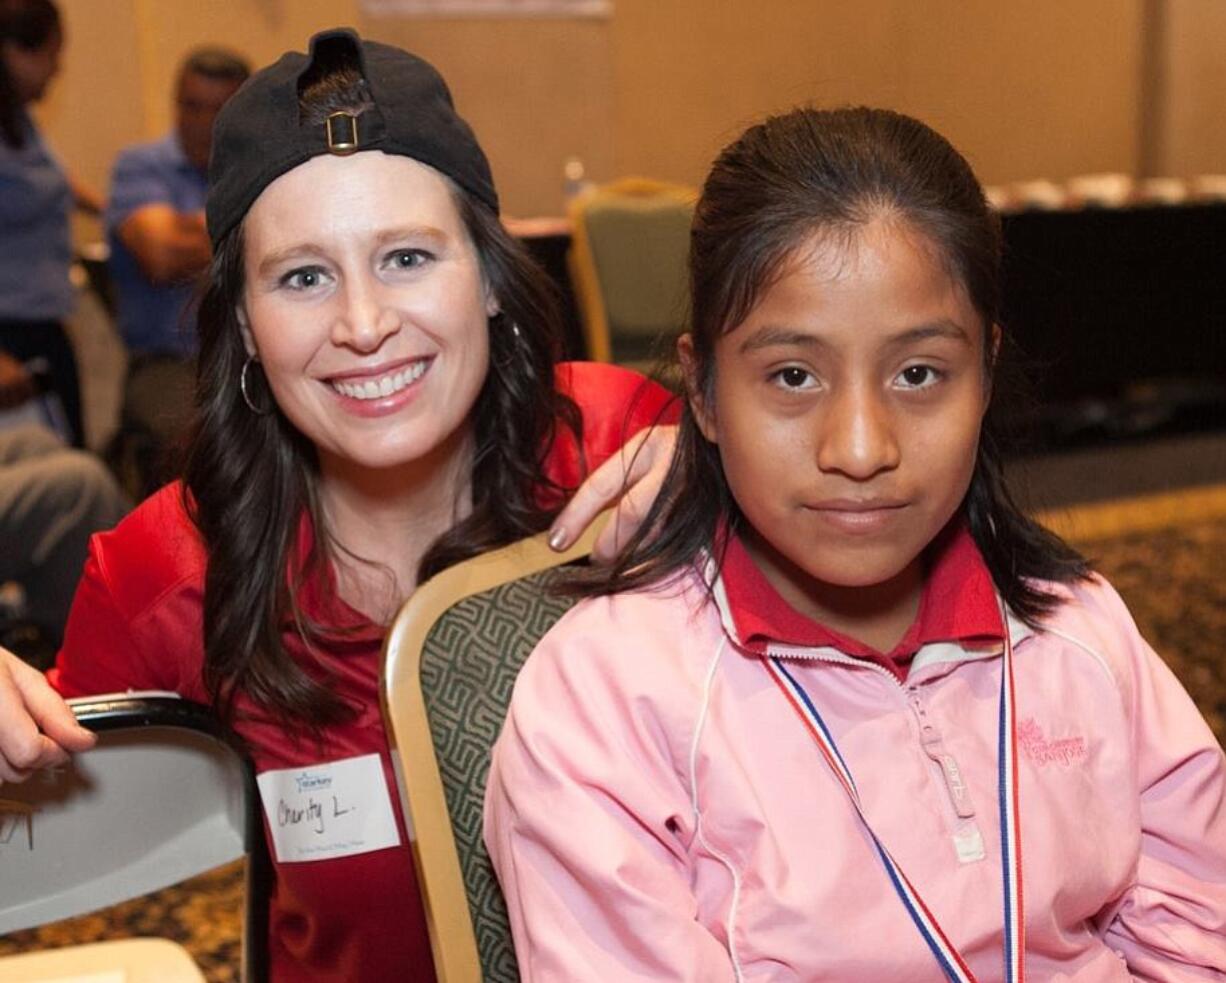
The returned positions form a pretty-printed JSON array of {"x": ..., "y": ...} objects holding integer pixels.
[{"x": 1042, "y": 751}]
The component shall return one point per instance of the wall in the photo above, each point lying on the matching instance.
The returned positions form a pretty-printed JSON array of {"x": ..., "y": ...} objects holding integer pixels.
[
  {"x": 1191, "y": 137},
  {"x": 95, "y": 105},
  {"x": 1044, "y": 88}
]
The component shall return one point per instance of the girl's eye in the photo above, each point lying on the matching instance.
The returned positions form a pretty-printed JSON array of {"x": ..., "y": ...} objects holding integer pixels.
[
  {"x": 304, "y": 278},
  {"x": 919, "y": 376},
  {"x": 794, "y": 377}
]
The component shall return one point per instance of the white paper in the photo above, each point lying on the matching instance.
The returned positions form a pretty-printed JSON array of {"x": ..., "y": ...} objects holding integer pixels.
[{"x": 328, "y": 810}]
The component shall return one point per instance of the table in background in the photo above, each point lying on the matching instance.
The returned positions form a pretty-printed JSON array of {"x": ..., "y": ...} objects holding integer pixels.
[
  {"x": 1122, "y": 313},
  {"x": 548, "y": 240}
]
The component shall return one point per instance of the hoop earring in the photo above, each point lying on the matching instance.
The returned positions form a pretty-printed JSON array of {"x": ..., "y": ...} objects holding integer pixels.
[
  {"x": 242, "y": 385},
  {"x": 500, "y": 320},
  {"x": 508, "y": 351}
]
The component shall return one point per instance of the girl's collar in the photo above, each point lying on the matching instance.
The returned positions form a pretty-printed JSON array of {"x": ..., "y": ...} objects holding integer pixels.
[{"x": 959, "y": 606}]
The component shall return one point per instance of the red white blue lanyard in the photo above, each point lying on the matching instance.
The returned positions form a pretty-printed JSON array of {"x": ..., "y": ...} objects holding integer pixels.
[{"x": 946, "y": 954}]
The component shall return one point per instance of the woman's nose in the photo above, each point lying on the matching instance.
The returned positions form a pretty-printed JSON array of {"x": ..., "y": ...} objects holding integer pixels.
[
  {"x": 365, "y": 317},
  {"x": 857, "y": 436}
]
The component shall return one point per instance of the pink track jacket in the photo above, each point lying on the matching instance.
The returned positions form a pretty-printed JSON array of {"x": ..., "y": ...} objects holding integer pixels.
[{"x": 657, "y": 812}]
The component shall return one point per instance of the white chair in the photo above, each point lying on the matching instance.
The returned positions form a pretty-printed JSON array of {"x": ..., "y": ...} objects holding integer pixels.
[{"x": 162, "y": 797}]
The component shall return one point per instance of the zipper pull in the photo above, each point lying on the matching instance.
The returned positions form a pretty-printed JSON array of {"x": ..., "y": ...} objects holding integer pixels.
[{"x": 934, "y": 747}]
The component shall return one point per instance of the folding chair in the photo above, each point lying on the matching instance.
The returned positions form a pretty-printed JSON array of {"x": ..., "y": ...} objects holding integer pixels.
[
  {"x": 629, "y": 250},
  {"x": 450, "y": 663},
  {"x": 160, "y": 798}
]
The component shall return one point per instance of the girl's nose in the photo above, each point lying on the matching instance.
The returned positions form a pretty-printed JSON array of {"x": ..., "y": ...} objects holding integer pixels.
[
  {"x": 364, "y": 319},
  {"x": 857, "y": 437}
]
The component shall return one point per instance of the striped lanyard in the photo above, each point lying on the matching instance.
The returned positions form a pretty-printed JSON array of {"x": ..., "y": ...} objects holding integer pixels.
[{"x": 946, "y": 954}]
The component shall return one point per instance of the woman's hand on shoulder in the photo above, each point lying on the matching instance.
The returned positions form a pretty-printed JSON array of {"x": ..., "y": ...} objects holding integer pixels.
[
  {"x": 37, "y": 728},
  {"x": 630, "y": 480}
]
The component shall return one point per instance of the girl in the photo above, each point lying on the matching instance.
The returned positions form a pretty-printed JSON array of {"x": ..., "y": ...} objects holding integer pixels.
[
  {"x": 883, "y": 727},
  {"x": 376, "y": 400}
]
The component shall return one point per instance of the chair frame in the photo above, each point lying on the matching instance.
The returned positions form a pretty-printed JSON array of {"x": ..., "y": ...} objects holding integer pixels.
[
  {"x": 134, "y": 711},
  {"x": 452, "y": 938},
  {"x": 584, "y": 275}
]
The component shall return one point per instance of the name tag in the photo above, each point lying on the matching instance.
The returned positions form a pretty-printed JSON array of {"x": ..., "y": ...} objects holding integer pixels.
[{"x": 329, "y": 810}]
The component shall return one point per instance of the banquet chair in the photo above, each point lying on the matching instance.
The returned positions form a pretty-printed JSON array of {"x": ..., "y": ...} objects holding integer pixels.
[
  {"x": 629, "y": 249},
  {"x": 160, "y": 798},
  {"x": 450, "y": 663}
]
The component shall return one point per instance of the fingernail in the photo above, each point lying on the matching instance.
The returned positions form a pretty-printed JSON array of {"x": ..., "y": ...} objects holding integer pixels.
[{"x": 557, "y": 539}]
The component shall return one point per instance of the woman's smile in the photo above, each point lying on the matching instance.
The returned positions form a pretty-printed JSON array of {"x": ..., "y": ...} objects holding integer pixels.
[{"x": 384, "y": 389}]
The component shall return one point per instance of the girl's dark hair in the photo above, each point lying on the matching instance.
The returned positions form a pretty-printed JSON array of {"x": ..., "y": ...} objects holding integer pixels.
[
  {"x": 251, "y": 480},
  {"x": 829, "y": 172},
  {"x": 29, "y": 24}
]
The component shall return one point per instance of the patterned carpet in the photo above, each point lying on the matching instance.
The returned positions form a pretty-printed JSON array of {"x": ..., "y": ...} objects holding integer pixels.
[{"x": 1165, "y": 554}]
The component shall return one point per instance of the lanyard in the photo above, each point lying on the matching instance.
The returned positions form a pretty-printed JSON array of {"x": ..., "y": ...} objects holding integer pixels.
[{"x": 943, "y": 950}]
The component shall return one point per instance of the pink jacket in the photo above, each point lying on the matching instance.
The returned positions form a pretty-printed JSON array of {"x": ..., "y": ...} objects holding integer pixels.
[{"x": 656, "y": 811}]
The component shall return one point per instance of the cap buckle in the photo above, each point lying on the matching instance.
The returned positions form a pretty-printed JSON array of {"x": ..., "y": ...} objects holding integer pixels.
[{"x": 342, "y": 138}]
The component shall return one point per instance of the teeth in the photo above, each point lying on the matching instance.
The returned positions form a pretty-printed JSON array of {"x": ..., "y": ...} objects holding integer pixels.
[{"x": 384, "y": 386}]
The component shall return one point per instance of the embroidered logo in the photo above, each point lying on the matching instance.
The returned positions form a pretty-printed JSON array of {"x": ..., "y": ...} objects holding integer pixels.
[{"x": 1041, "y": 751}]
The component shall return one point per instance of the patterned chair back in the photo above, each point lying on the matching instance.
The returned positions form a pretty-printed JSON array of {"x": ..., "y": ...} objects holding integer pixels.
[{"x": 451, "y": 660}]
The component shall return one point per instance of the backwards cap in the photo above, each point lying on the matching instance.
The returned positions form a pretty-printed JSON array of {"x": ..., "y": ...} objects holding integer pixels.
[{"x": 259, "y": 134}]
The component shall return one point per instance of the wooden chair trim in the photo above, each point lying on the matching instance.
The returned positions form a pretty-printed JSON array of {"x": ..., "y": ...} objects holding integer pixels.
[
  {"x": 586, "y": 283},
  {"x": 642, "y": 187},
  {"x": 452, "y": 939}
]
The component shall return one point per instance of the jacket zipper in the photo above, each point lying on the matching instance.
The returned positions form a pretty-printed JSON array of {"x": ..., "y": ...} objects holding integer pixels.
[{"x": 965, "y": 833}]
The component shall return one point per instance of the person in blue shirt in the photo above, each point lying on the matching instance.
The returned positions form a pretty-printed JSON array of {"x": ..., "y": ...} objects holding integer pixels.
[
  {"x": 155, "y": 228},
  {"x": 36, "y": 197},
  {"x": 52, "y": 498}
]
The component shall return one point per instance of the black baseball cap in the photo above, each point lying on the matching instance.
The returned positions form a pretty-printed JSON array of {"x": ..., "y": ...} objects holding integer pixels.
[{"x": 259, "y": 135}]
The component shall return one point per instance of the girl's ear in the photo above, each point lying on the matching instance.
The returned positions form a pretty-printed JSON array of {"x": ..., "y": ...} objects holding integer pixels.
[
  {"x": 704, "y": 415},
  {"x": 995, "y": 337},
  {"x": 244, "y": 327}
]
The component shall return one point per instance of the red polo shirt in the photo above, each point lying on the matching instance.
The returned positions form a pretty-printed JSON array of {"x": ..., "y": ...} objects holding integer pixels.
[
  {"x": 958, "y": 604},
  {"x": 137, "y": 623}
]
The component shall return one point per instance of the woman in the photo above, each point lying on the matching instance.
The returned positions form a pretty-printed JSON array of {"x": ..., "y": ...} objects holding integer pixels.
[
  {"x": 376, "y": 401},
  {"x": 35, "y": 199}
]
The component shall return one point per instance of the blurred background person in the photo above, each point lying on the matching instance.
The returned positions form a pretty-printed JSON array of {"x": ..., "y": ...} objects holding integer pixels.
[
  {"x": 158, "y": 245},
  {"x": 52, "y": 499},
  {"x": 36, "y": 196}
]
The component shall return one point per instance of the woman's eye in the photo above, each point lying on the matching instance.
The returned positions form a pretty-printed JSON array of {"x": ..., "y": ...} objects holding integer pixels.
[
  {"x": 305, "y": 278},
  {"x": 794, "y": 378},
  {"x": 919, "y": 376},
  {"x": 407, "y": 259}
]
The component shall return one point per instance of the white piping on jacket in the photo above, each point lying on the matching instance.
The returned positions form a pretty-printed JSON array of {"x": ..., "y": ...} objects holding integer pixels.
[
  {"x": 1093, "y": 654},
  {"x": 718, "y": 855}
]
